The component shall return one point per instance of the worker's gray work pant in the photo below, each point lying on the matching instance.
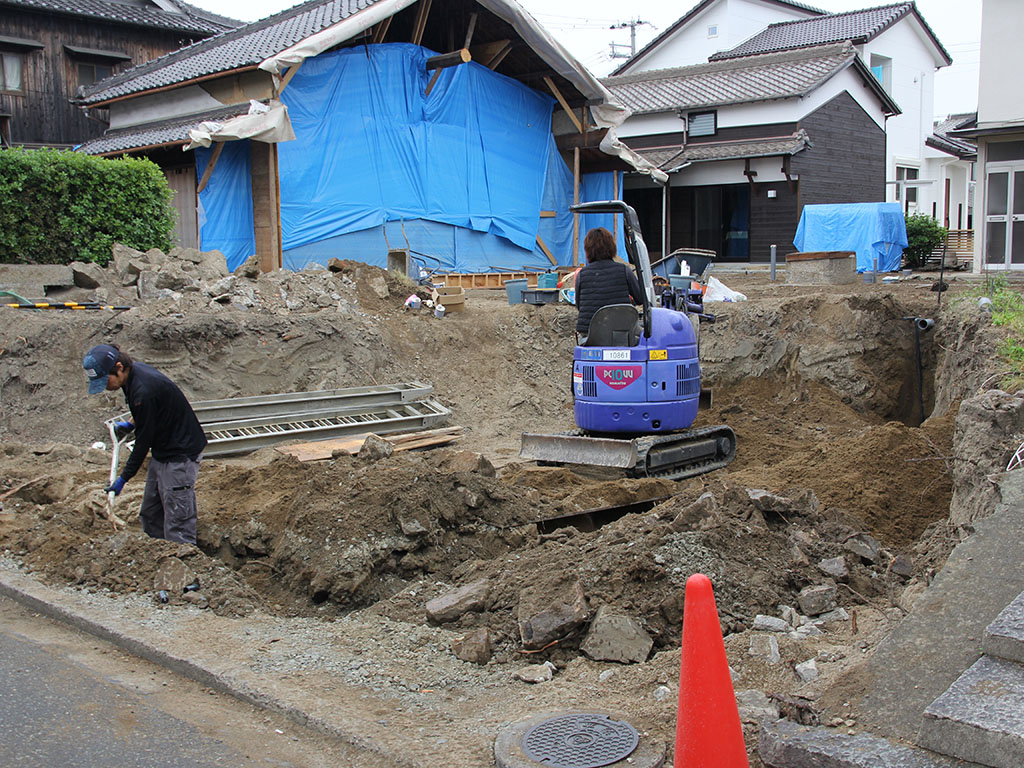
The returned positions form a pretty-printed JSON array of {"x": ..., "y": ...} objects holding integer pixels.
[{"x": 169, "y": 501}]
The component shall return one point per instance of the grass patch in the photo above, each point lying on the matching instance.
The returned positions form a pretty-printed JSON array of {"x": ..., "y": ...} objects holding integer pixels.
[{"x": 1008, "y": 314}]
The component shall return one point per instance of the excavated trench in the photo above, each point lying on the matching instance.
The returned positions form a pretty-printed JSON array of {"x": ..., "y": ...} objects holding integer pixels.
[{"x": 823, "y": 391}]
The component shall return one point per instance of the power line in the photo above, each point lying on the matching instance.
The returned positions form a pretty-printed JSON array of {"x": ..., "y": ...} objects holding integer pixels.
[{"x": 632, "y": 24}]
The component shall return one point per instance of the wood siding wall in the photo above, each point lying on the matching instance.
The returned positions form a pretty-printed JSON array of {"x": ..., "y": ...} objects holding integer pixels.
[
  {"x": 773, "y": 220},
  {"x": 42, "y": 114}
]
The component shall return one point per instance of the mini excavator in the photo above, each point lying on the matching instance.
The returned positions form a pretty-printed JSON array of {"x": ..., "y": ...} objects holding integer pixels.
[{"x": 636, "y": 382}]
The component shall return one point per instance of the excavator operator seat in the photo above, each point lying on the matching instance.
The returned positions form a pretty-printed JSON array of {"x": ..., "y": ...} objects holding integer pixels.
[{"x": 617, "y": 325}]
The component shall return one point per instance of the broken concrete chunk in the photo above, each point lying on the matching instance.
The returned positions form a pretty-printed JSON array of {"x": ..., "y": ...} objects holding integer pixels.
[
  {"x": 754, "y": 706},
  {"x": 614, "y": 637},
  {"x": 469, "y": 461},
  {"x": 87, "y": 274},
  {"x": 863, "y": 545},
  {"x": 535, "y": 673},
  {"x": 805, "y": 631},
  {"x": 807, "y": 671},
  {"x": 834, "y": 567},
  {"x": 765, "y": 501},
  {"x": 451, "y": 605},
  {"x": 789, "y": 615},
  {"x": 474, "y": 647},
  {"x": 379, "y": 286},
  {"x": 704, "y": 507},
  {"x": 817, "y": 600},
  {"x": 375, "y": 448},
  {"x": 764, "y": 623},
  {"x": 549, "y": 614},
  {"x": 903, "y": 566},
  {"x": 765, "y": 647},
  {"x": 839, "y": 614}
]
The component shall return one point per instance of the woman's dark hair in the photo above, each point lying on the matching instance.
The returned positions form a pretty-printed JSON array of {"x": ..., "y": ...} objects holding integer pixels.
[{"x": 599, "y": 245}]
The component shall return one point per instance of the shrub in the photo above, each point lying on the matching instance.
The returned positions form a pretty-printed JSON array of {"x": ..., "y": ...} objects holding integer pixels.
[
  {"x": 57, "y": 207},
  {"x": 924, "y": 235}
]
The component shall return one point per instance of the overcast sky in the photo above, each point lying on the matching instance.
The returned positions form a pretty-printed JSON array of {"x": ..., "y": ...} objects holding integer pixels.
[{"x": 584, "y": 28}]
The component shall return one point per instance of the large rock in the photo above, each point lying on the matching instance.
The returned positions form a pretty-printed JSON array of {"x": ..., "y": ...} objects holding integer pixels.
[
  {"x": 614, "y": 637},
  {"x": 817, "y": 600},
  {"x": 451, "y": 605},
  {"x": 474, "y": 647},
  {"x": 121, "y": 255},
  {"x": 551, "y": 611},
  {"x": 87, "y": 274},
  {"x": 864, "y": 546}
]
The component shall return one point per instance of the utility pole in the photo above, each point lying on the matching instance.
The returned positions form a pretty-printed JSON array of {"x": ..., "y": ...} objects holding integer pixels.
[{"x": 632, "y": 24}]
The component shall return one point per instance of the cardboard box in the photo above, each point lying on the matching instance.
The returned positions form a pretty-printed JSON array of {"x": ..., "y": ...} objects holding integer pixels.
[{"x": 452, "y": 297}]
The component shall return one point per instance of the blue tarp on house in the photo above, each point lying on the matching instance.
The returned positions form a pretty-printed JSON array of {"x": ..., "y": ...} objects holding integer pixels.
[
  {"x": 466, "y": 170},
  {"x": 873, "y": 230}
]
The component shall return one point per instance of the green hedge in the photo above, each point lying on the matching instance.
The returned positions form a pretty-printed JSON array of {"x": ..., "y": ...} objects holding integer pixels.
[{"x": 57, "y": 207}]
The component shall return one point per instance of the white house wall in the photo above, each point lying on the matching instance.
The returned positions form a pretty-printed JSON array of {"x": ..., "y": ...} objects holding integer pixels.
[
  {"x": 737, "y": 20},
  {"x": 1000, "y": 95},
  {"x": 913, "y": 89}
]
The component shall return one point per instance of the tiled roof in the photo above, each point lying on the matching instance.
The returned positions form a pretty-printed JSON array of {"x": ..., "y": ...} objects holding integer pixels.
[
  {"x": 191, "y": 20},
  {"x": 684, "y": 20},
  {"x": 772, "y": 76},
  {"x": 942, "y": 140},
  {"x": 246, "y": 46},
  {"x": 669, "y": 159},
  {"x": 857, "y": 26},
  {"x": 156, "y": 134}
]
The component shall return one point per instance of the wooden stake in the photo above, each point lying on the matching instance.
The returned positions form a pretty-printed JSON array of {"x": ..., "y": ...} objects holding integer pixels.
[
  {"x": 565, "y": 105},
  {"x": 575, "y": 201},
  {"x": 209, "y": 167},
  {"x": 421, "y": 22}
]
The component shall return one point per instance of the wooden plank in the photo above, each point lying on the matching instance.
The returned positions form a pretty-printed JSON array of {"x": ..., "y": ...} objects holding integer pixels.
[
  {"x": 432, "y": 83},
  {"x": 547, "y": 251},
  {"x": 565, "y": 105},
  {"x": 548, "y": 214},
  {"x": 421, "y": 22},
  {"x": 209, "y": 167},
  {"x": 575, "y": 201},
  {"x": 288, "y": 77},
  {"x": 381, "y": 30},
  {"x": 469, "y": 31},
  {"x": 320, "y": 450}
]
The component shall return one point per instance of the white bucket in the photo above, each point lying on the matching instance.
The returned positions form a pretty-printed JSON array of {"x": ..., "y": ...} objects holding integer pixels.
[{"x": 439, "y": 310}]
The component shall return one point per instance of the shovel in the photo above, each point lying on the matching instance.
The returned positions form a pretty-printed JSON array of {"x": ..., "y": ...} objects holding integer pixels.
[{"x": 117, "y": 443}]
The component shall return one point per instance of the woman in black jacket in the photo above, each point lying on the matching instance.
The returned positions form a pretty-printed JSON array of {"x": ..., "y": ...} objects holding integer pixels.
[{"x": 603, "y": 281}]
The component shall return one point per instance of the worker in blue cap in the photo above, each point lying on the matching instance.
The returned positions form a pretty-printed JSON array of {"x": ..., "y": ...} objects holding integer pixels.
[{"x": 166, "y": 428}]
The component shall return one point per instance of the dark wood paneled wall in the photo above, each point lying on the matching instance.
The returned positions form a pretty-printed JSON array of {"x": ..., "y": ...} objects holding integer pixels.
[{"x": 42, "y": 114}]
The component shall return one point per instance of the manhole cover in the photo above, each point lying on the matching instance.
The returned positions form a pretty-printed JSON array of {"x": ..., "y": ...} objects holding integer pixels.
[{"x": 580, "y": 741}]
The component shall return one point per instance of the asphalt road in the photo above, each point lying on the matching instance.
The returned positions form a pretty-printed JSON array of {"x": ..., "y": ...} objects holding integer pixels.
[{"x": 70, "y": 699}]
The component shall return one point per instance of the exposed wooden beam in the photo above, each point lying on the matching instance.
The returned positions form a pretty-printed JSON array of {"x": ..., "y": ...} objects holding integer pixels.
[
  {"x": 469, "y": 31},
  {"x": 747, "y": 172},
  {"x": 565, "y": 105},
  {"x": 453, "y": 59},
  {"x": 381, "y": 30},
  {"x": 209, "y": 167},
  {"x": 575, "y": 201},
  {"x": 421, "y": 22},
  {"x": 588, "y": 140},
  {"x": 288, "y": 77},
  {"x": 433, "y": 82},
  {"x": 500, "y": 55},
  {"x": 547, "y": 251},
  {"x": 548, "y": 214},
  {"x": 490, "y": 54}
]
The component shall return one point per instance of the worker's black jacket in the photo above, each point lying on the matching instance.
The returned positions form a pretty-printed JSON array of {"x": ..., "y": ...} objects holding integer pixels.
[
  {"x": 601, "y": 283},
  {"x": 164, "y": 421}
]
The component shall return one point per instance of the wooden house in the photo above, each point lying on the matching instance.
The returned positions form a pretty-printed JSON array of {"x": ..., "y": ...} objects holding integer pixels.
[{"x": 50, "y": 48}]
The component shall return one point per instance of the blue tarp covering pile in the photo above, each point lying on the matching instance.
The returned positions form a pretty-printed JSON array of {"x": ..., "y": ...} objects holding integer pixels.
[
  {"x": 873, "y": 230},
  {"x": 465, "y": 170}
]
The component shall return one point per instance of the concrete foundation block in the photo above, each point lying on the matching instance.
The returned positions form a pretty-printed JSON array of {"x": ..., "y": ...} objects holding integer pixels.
[
  {"x": 981, "y": 716},
  {"x": 821, "y": 268},
  {"x": 785, "y": 744},
  {"x": 1004, "y": 637}
]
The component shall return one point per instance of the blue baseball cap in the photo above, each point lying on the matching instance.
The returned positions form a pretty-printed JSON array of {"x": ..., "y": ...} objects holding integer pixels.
[{"x": 98, "y": 363}]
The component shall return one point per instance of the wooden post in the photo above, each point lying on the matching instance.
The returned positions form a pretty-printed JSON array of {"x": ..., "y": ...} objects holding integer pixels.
[
  {"x": 575, "y": 201},
  {"x": 421, "y": 22},
  {"x": 266, "y": 204},
  {"x": 615, "y": 196},
  {"x": 209, "y": 167}
]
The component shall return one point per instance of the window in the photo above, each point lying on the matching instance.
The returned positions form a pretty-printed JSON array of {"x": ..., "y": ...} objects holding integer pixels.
[
  {"x": 905, "y": 173},
  {"x": 1003, "y": 151},
  {"x": 91, "y": 73},
  {"x": 881, "y": 68},
  {"x": 702, "y": 123},
  {"x": 712, "y": 30},
  {"x": 10, "y": 72}
]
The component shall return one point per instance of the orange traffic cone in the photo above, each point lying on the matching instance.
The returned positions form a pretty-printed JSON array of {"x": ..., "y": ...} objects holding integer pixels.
[{"x": 708, "y": 730}]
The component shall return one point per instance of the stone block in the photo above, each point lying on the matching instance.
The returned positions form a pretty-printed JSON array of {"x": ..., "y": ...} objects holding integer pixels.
[
  {"x": 817, "y": 600},
  {"x": 88, "y": 274},
  {"x": 765, "y": 647},
  {"x": 451, "y": 605},
  {"x": 980, "y": 717},
  {"x": 821, "y": 268},
  {"x": 614, "y": 637},
  {"x": 474, "y": 647},
  {"x": 1004, "y": 637},
  {"x": 785, "y": 744},
  {"x": 764, "y": 623}
]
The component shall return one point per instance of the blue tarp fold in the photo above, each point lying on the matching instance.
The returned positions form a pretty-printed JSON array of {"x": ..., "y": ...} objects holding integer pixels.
[{"x": 873, "y": 230}]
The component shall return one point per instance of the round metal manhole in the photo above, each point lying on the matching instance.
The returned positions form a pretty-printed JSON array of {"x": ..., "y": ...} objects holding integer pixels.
[{"x": 580, "y": 741}]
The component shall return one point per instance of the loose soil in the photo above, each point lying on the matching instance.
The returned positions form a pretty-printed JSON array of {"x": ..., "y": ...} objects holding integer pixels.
[{"x": 820, "y": 384}]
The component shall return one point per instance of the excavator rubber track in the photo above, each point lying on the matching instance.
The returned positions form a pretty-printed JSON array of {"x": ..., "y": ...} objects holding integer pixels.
[{"x": 673, "y": 456}]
